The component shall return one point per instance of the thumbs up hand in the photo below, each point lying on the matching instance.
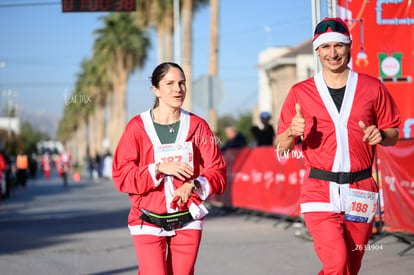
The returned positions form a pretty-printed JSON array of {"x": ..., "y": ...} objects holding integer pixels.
[
  {"x": 297, "y": 126},
  {"x": 371, "y": 133}
]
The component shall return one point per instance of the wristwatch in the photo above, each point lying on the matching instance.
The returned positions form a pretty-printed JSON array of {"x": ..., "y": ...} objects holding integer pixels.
[{"x": 196, "y": 184}]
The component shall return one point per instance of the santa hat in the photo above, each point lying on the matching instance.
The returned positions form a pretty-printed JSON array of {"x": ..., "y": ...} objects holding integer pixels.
[{"x": 331, "y": 30}]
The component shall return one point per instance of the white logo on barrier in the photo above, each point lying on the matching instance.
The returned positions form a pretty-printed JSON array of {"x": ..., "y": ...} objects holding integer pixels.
[
  {"x": 280, "y": 178},
  {"x": 293, "y": 178},
  {"x": 391, "y": 182},
  {"x": 240, "y": 176},
  {"x": 268, "y": 179},
  {"x": 256, "y": 176}
]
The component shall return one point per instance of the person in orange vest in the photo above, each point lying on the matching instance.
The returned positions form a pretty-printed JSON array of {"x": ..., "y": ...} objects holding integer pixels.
[{"x": 22, "y": 163}]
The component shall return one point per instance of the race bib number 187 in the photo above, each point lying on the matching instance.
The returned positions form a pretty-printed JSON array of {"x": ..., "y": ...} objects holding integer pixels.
[{"x": 174, "y": 152}]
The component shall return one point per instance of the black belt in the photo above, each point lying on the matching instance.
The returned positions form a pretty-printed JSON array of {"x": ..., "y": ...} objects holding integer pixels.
[
  {"x": 169, "y": 221},
  {"x": 340, "y": 177}
]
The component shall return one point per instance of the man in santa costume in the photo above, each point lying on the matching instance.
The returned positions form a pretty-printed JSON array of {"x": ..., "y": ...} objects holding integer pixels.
[
  {"x": 168, "y": 162},
  {"x": 341, "y": 115}
]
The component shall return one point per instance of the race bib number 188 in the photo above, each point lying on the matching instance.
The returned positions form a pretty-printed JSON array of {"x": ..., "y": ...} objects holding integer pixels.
[{"x": 361, "y": 205}]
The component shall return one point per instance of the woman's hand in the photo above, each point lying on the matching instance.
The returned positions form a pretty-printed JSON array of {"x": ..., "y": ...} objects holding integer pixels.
[
  {"x": 183, "y": 193},
  {"x": 178, "y": 169}
]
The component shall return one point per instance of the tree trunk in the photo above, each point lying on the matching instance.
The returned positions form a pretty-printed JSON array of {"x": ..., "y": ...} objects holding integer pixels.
[
  {"x": 168, "y": 33},
  {"x": 92, "y": 144},
  {"x": 213, "y": 65},
  {"x": 160, "y": 43},
  {"x": 187, "y": 19},
  {"x": 117, "y": 112},
  {"x": 164, "y": 37},
  {"x": 82, "y": 144},
  {"x": 99, "y": 127},
  {"x": 214, "y": 33},
  {"x": 96, "y": 130}
]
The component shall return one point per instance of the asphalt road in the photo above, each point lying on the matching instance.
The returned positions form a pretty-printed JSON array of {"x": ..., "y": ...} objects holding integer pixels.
[{"x": 82, "y": 229}]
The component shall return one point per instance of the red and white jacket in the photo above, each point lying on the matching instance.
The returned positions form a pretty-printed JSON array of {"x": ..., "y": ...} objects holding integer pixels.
[
  {"x": 333, "y": 140},
  {"x": 133, "y": 170}
]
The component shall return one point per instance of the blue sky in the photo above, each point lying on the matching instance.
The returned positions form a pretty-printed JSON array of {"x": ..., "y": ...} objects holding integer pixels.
[{"x": 44, "y": 47}]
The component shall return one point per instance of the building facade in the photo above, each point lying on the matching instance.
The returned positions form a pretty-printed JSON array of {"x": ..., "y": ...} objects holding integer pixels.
[{"x": 278, "y": 70}]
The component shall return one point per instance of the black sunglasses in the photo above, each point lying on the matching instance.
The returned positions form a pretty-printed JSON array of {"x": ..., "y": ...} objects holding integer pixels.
[{"x": 335, "y": 26}]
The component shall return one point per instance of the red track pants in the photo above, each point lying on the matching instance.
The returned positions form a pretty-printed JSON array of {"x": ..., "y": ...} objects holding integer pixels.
[
  {"x": 338, "y": 243},
  {"x": 175, "y": 255}
]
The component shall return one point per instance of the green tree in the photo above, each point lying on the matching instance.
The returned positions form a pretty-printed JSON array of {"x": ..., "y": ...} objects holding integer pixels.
[
  {"x": 11, "y": 143},
  {"x": 124, "y": 46},
  {"x": 244, "y": 124},
  {"x": 29, "y": 137},
  {"x": 100, "y": 89}
]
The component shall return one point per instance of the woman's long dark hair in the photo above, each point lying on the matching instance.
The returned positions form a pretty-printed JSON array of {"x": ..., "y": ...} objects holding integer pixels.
[{"x": 159, "y": 72}]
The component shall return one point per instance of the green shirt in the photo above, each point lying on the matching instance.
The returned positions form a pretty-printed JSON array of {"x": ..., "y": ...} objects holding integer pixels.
[{"x": 164, "y": 133}]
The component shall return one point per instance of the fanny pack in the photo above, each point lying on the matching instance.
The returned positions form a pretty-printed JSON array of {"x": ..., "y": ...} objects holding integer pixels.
[
  {"x": 340, "y": 177},
  {"x": 169, "y": 221}
]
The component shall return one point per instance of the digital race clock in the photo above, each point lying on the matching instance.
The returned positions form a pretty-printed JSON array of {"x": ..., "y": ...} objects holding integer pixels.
[{"x": 97, "y": 5}]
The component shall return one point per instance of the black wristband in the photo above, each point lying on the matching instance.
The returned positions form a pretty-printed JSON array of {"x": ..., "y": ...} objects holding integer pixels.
[{"x": 383, "y": 134}]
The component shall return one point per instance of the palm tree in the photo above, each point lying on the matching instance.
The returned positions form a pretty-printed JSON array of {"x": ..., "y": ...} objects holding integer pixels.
[
  {"x": 119, "y": 49},
  {"x": 69, "y": 126},
  {"x": 84, "y": 108},
  {"x": 99, "y": 86},
  {"x": 187, "y": 10},
  {"x": 158, "y": 14},
  {"x": 124, "y": 46}
]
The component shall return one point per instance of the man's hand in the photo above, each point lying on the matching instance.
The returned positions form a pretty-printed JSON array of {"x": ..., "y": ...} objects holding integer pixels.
[
  {"x": 297, "y": 126},
  {"x": 371, "y": 134}
]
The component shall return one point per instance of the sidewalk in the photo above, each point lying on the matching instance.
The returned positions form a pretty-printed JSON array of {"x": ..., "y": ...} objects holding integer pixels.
[{"x": 82, "y": 229}]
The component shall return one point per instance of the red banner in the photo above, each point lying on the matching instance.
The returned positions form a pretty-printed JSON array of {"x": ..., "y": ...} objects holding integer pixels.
[
  {"x": 397, "y": 177},
  {"x": 382, "y": 46},
  {"x": 263, "y": 180}
]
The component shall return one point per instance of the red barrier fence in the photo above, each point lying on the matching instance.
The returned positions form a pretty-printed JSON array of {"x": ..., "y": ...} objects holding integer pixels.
[
  {"x": 397, "y": 178},
  {"x": 259, "y": 179}
]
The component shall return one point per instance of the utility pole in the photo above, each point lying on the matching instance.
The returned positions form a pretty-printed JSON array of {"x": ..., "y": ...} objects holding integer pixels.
[
  {"x": 3, "y": 64},
  {"x": 10, "y": 109}
]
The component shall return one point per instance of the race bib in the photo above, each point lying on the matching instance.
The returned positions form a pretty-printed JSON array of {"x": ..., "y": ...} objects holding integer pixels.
[
  {"x": 174, "y": 152},
  {"x": 361, "y": 205}
]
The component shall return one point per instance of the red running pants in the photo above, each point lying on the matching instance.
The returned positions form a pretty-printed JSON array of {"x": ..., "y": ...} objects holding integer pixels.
[
  {"x": 338, "y": 243},
  {"x": 175, "y": 255}
]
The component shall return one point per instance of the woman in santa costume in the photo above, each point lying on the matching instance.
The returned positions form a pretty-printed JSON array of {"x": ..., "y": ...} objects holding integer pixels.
[
  {"x": 168, "y": 162},
  {"x": 341, "y": 116}
]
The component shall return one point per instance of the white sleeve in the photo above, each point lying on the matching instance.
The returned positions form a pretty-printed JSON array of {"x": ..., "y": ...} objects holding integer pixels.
[
  {"x": 151, "y": 169},
  {"x": 204, "y": 191}
]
